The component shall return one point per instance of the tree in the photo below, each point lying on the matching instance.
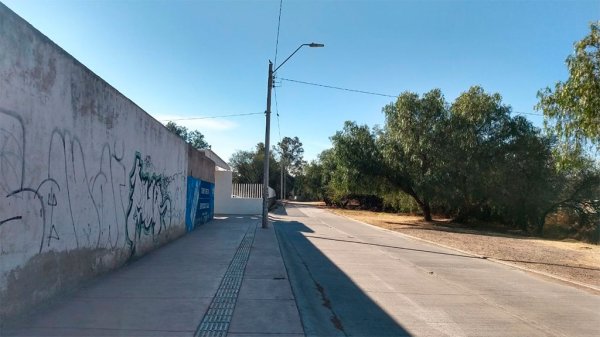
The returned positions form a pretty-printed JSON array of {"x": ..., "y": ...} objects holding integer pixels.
[
  {"x": 357, "y": 161},
  {"x": 179, "y": 130},
  {"x": 194, "y": 138},
  {"x": 310, "y": 185},
  {"x": 248, "y": 167},
  {"x": 572, "y": 109},
  {"x": 413, "y": 142},
  {"x": 478, "y": 125},
  {"x": 470, "y": 159},
  {"x": 576, "y": 192},
  {"x": 501, "y": 164},
  {"x": 291, "y": 152},
  {"x": 328, "y": 165}
]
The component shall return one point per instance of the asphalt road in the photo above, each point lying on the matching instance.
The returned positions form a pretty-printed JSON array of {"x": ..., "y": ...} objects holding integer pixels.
[{"x": 352, "y": 279}]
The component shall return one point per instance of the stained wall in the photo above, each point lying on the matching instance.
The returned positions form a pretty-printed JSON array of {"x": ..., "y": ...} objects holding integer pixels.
[{"x": 88, "y": 180}]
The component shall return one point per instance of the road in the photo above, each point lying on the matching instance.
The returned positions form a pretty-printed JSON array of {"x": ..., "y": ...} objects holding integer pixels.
[{"x": 353, "y": 279}]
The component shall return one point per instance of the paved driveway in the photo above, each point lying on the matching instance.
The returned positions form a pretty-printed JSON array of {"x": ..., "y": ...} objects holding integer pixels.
[{"x": 352, "y": 279}]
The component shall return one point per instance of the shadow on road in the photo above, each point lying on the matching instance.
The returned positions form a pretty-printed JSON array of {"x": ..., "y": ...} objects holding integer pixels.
[
  {"x": 395, "y": 247},
  {"x": 457, "y": 255},
  {"x": 330, "y": 303}
]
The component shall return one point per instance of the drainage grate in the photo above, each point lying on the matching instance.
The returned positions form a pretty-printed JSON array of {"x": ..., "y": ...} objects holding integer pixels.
[{"x": 215, "y": 322}]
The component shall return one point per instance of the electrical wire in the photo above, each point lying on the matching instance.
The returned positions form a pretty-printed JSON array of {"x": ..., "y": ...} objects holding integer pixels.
[
  {"x": 374, "y": 93},
  {"x": 275, "y": 65},
  {"x": 277, "y": 112},
  {"x": 338, "y": 88},
  {"x": 209, "y": 117},
  {"x": 278, "y": 26},
  {"x": 527, "y": 113}
]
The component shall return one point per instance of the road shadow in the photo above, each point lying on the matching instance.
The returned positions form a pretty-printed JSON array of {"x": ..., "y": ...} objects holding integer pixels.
[
  {"x": 457, "y": 255},
  {"x": 330, "y": 303},
  {"x": 279, "y": 209},
  {"x": 453, "y": 227}
]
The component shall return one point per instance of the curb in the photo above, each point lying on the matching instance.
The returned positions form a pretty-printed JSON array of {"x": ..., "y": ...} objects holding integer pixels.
[{"x": 588, "y": 287}]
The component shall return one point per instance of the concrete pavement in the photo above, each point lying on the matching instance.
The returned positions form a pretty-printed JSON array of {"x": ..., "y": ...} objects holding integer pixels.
[
  {"x": 230, "y": 278},
  {"x": 353, "y": 279},
  {"x": 225, "y": 278}
]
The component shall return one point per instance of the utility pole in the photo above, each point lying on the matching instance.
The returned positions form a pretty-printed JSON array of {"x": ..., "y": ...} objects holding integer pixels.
[
  {"x": 265, "y": 213},
  {"x": 282, "y": 175}
]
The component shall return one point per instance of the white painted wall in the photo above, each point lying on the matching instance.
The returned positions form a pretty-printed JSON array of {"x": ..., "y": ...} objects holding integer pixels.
[
  {"x": 225, "y": 204},
  {"x": 87, "y": 178}
]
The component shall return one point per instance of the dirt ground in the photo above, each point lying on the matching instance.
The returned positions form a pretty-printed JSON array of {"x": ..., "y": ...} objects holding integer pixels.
[{"x": 575, "y": 261}]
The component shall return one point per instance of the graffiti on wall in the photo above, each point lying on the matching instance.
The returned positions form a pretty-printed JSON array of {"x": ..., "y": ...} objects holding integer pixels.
[
  {"x": 73, "y": 199},
  {"x": 200, "y": 202},
  {"x": 149, "y": 204}
]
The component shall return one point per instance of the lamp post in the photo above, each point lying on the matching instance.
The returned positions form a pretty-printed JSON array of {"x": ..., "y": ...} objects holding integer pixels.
[
  {"x": 265, "y": 210},
  {"x": 282, "y": 175}
]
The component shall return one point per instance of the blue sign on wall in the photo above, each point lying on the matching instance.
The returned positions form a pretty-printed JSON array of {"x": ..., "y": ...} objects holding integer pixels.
[{"x": 200, "y": 202}]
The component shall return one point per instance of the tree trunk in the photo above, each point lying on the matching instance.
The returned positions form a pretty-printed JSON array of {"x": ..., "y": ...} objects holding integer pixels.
[
  {"x": 426, "y": 210},
  {"x": 423, "y": 204}
]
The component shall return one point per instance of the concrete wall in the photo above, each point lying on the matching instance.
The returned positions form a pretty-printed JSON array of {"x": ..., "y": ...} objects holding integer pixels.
[
  {"x": 87, "y": 178},
  {"x": 200, "y": 207},
  {"x": 200, "y": 197},
  {"x": 199, "y": 166},
  {"x": 225, "y": 204}
]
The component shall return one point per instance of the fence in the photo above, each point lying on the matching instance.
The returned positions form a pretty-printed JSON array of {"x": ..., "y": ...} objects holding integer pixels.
[{"x": 250, "y": 191}]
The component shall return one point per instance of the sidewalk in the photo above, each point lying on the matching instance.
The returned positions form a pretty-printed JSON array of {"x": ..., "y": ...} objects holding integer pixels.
[{"x": 227, "y": 278}]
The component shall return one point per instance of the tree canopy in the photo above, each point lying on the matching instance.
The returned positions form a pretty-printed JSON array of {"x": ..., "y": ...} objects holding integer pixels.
[
  {"x": 248, "y": 168},
  {"x": 291, "y": 152},
  {"x": 471, "y": 160},
  {"x": 572, "y": 108},
  {"x": 194, "y": 138}
]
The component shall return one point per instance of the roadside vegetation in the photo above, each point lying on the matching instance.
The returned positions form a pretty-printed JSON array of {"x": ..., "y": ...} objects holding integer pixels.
[
  {"x": 194, "y": 138},
  {"x": 287, "y": 157},
  {"x": 473, "y": 160},
  {"x": 476, "y": 161}
]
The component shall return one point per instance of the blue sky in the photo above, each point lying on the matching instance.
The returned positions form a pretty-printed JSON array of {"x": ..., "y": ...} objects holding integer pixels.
[{"x": 182, "y": 59}]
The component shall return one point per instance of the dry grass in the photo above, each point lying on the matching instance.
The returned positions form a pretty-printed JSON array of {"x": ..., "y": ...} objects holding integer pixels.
[{"x": 574, "y": 261}]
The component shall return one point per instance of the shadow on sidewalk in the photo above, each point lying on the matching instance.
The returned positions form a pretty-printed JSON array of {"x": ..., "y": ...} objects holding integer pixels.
[{"x": 330, "y": 303}]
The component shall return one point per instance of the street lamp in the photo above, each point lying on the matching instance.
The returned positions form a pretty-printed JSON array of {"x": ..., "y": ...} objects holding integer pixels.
[{"x": 265, "y": 210}]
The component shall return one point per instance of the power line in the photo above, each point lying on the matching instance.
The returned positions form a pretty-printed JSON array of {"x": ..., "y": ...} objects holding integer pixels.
[
  {"x": 375, "y": 93},
  {"x": 278, "y": 26},
  {"x": 277, "y": 111},
  {"x": 275, "y": 65},
  {"x": 275, "y": 93},
  {"x": 339, "y": 88},
  {"x": 527, "y": 113},
  {"x": 209, "y": 117}
]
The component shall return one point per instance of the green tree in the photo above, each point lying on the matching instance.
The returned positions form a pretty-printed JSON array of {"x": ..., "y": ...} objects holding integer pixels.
[
  {"x": 248, "y": 167},
  {"x": 310, "y": 185},
  {"x": 194, "y": 138},
  {"x": 357, "y": 162},
  {"x": 413, "y": 143},
  {"x": 479, "y": 123},
  {"x": 328, "y": 165},
  {"x": 470, "y": 159},
  {"x": 499, "y": 165},
  {"x": 290, "y": 150},
  {"x": 291, "y": 159},
  {"x": 577, "y": 192},
  {"x": 572, "y": 108},
  {"x": 179, "y": 130}
]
